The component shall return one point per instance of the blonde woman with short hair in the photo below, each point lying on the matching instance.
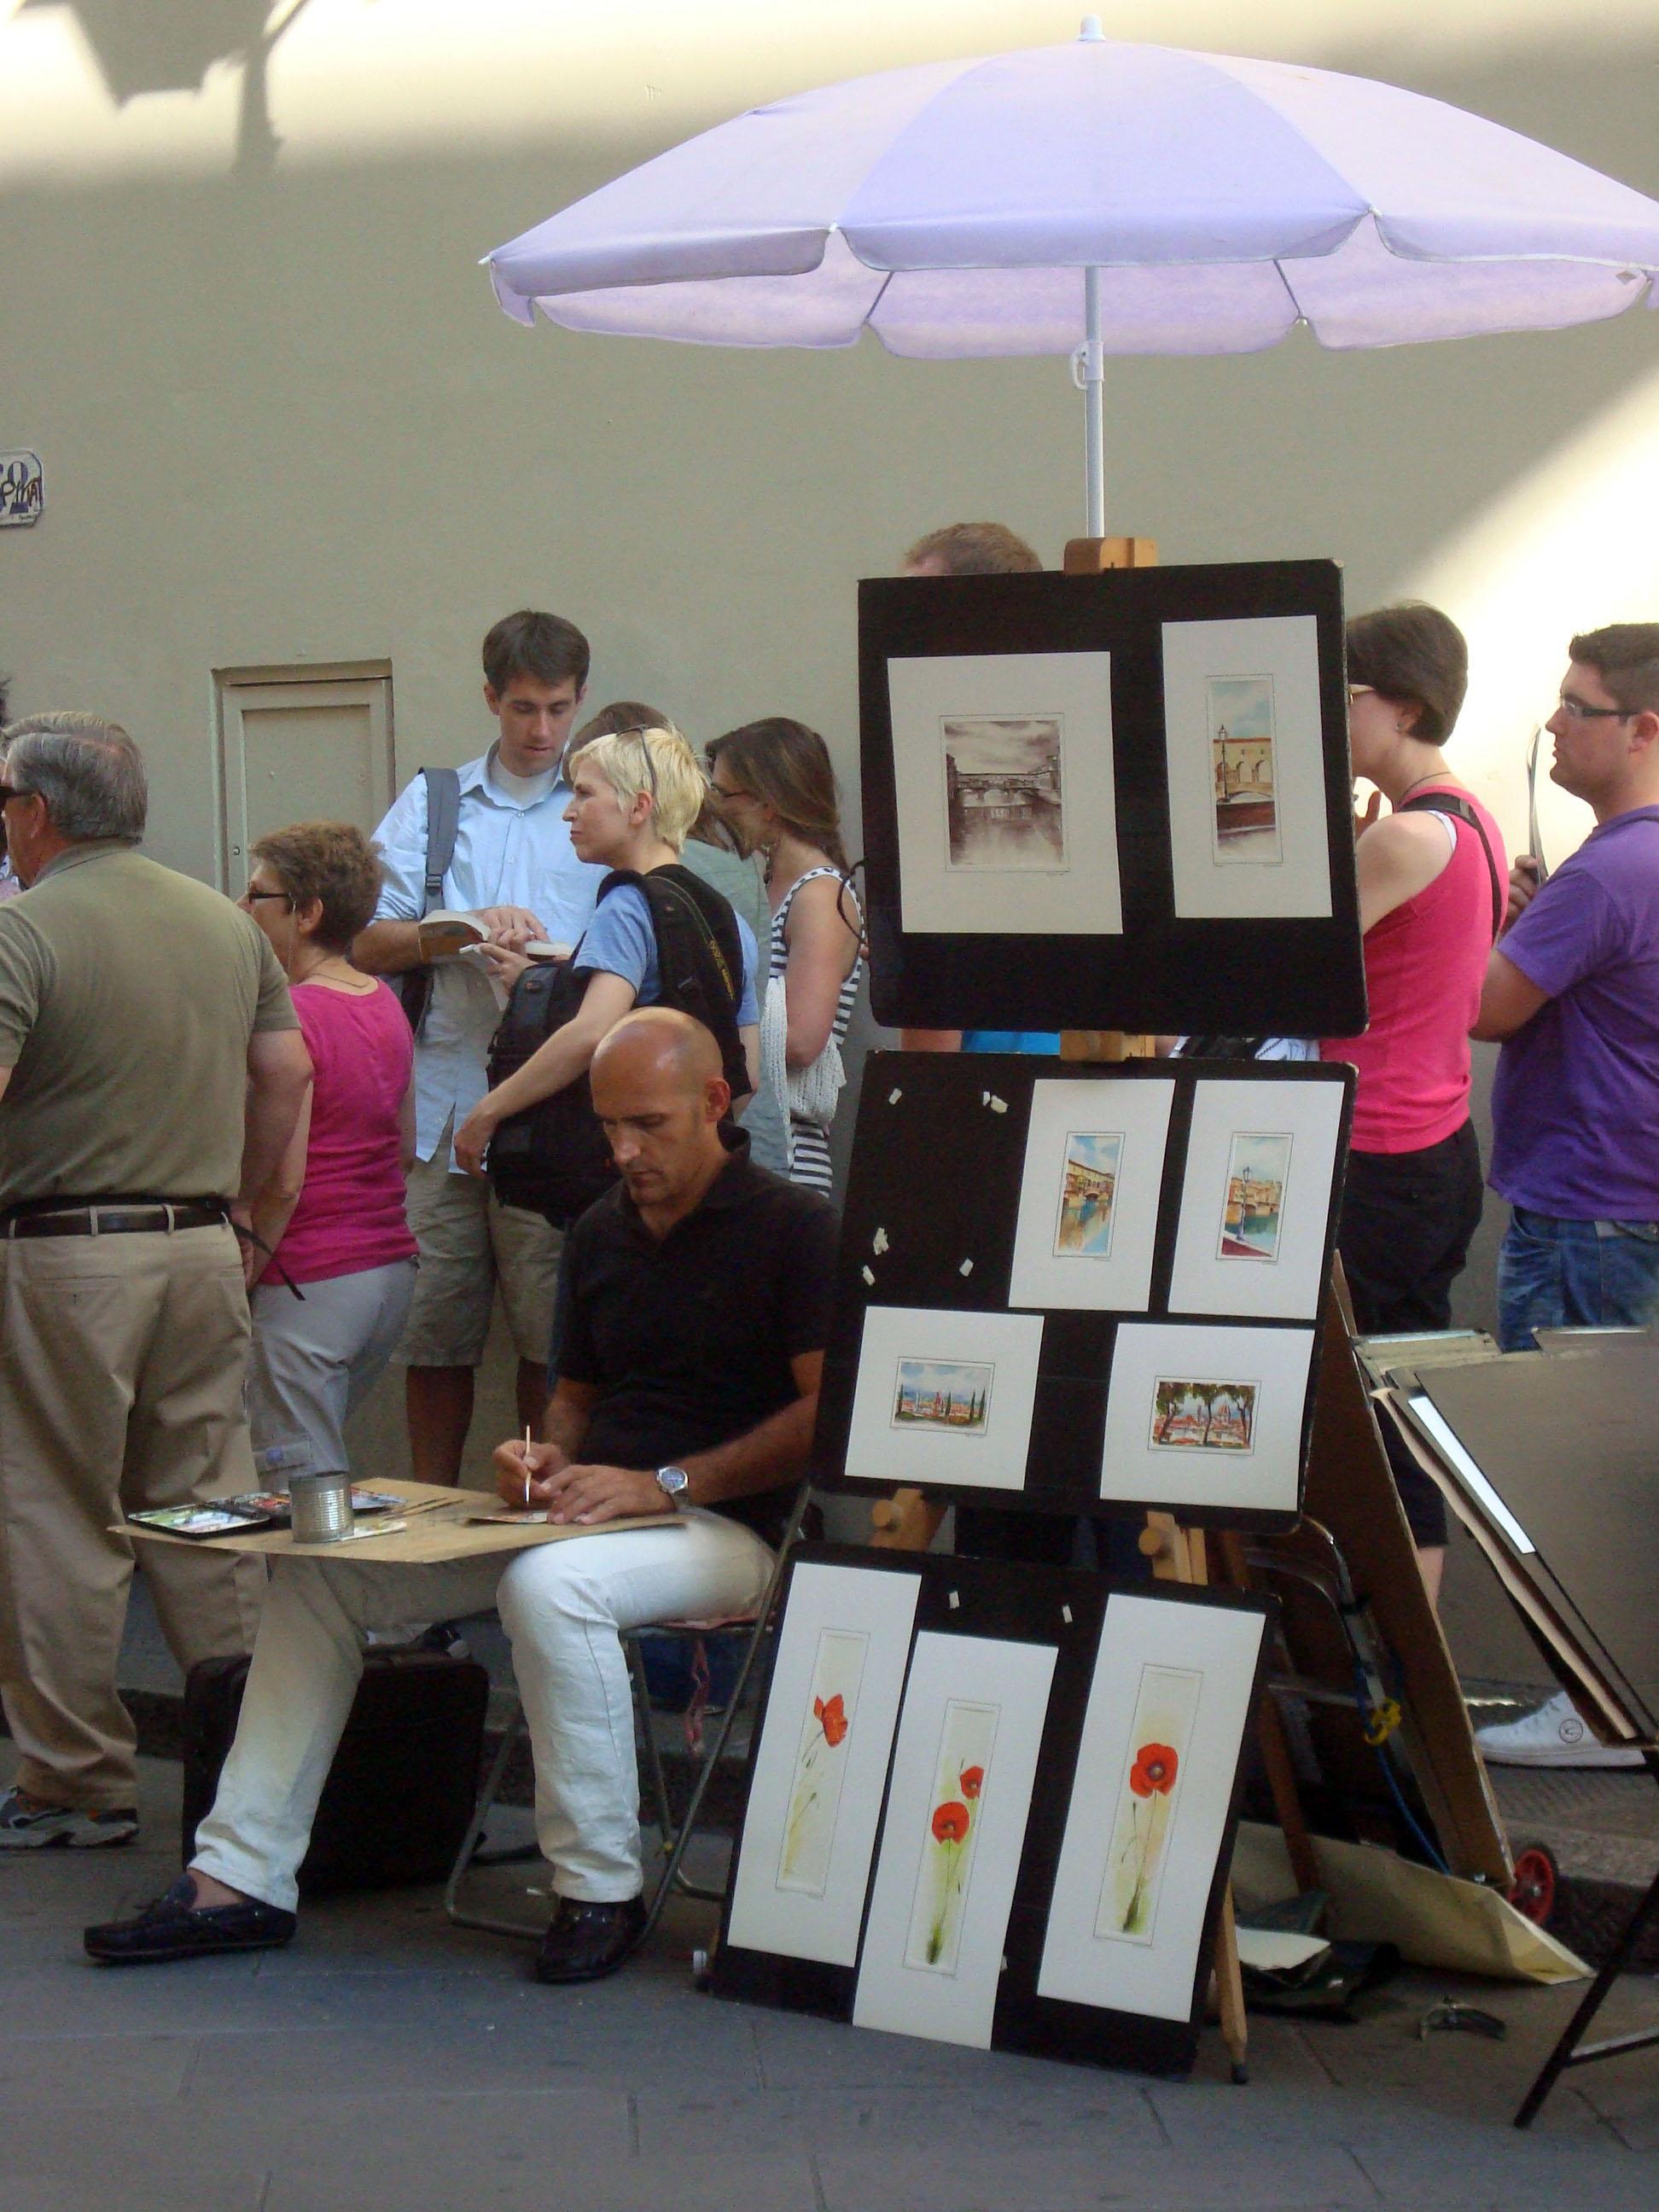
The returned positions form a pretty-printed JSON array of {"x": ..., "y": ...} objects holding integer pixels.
[{"x": 635, "y": 795}]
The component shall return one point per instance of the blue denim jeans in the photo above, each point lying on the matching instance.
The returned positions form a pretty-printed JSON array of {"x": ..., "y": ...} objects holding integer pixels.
[{"x": 1575, "y": 1274}]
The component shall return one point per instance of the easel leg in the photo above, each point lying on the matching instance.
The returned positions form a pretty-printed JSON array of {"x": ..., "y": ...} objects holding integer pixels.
[
  {"x": 1230, "y": 1990},
  {"x": 1178, "y": 1555},
  {"x": 1566, "y": 2052}
]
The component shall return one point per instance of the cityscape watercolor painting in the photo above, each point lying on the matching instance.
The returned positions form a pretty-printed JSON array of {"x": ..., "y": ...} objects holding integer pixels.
[
  {"x": 1253, "y": 1212},
  {"x": 1188, "y": 1416},
  {"x": 1004, "y": 802},
  {"x": 937, "y": 1394},
  {"x": 1088, "y": 1194},
  {"x": 1242, "y": 765}
]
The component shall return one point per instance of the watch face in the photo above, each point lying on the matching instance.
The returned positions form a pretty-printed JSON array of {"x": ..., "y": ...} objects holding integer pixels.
[{"x": 673, "y": 1480}]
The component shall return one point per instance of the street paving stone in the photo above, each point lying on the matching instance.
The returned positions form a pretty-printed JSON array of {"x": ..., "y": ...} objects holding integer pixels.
[{"x": 389, "y": 2062}]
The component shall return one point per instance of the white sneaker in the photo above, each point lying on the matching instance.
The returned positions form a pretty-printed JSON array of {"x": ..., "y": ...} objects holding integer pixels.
[{"x": 1553, "y": 1735}]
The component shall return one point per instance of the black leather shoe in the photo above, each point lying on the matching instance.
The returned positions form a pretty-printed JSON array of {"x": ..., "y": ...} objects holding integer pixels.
[
  {"x": 584, "y": 1943},
  {"x": 176, "y": 1927}
]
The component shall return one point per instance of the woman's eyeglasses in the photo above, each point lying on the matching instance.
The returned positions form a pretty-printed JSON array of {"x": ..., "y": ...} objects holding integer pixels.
[{"x": 251, "y": 897}]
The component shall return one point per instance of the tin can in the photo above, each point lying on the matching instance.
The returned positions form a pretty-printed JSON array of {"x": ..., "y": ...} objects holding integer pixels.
[{"x": 322, "y": 1507}]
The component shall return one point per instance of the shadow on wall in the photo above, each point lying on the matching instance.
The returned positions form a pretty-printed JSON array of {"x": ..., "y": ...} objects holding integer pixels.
[{"x": 169, "y": 46}]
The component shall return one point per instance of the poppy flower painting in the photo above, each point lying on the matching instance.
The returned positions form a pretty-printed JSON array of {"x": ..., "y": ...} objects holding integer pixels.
[
  {"x": 809, "y": 1829},
  {"x": 966, "y": 1741},
  {"x": 1158, "y": 1736}
]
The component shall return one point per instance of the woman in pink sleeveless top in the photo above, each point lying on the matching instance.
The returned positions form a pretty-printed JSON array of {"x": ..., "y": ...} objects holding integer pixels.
[
  {"x": 333, "y": 1214},
  {"x": 1431, "y": 893}
]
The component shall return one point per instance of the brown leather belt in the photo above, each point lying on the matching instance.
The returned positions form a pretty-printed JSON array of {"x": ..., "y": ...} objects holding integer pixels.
[{"x": 115, "y": 1220}]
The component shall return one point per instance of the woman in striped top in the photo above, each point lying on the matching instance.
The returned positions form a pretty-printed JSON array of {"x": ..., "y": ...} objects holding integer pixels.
[{"x": 776, "y": 789}]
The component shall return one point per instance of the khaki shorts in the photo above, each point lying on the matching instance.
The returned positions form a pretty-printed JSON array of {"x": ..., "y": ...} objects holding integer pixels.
[{"x": 469, "y": 1246}]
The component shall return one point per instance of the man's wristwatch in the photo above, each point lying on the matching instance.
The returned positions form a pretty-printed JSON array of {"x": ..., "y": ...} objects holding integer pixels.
[{"x": 674, "y": 1483}]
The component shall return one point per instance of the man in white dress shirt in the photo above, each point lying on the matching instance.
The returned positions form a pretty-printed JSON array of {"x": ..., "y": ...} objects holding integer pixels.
[{"x": 514, "y": 869}]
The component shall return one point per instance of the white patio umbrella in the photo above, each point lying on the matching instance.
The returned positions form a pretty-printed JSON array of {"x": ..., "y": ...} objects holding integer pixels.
[{"x": 1088, "y": 199}]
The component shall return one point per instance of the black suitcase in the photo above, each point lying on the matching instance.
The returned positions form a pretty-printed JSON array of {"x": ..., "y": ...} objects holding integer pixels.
[{"x": 402, "y": 1788}]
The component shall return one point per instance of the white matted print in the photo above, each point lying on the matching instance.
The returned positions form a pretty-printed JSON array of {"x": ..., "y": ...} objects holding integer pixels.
[
  {"x": 1206, "y": 1417},
  {"x": 944, "y": 1397},
  {"x": 1007, "y": 807},
  {"x": 1255, "y": 1198},
  {"x": 962, "y": 1771},
  {"x": 1089, "y": 1194},
  {"x": 1159, "y": 1754},
  {"x": 1246, "y": 768},
  {"x": 809, "y": 1832}
]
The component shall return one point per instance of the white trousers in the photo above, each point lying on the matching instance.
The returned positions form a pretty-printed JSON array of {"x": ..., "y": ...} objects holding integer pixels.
[{"x": 561, "y": 1604}]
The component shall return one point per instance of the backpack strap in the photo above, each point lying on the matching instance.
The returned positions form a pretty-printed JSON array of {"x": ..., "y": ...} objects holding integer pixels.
[
  {"x": 688, "y": 916},
  {"x": 443, "y": 816},
  {"x": 1454, "y": 803},
  {"x": 443, "y": 820}
]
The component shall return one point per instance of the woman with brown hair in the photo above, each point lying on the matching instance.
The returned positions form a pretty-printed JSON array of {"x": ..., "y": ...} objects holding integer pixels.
[
  {"x": 331, "y": 1219},
  {"x": 776, "y": 789},
  {"x": 1432, "y": 883}
]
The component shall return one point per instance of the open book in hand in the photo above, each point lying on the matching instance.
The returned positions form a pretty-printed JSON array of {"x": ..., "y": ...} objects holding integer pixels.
[{"x": 444, "y": 932}]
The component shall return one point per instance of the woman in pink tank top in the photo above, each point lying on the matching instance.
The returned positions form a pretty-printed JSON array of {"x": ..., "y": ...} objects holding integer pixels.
[
  {"x": 1431, "y": 888},
  {"x": 333, "y": 1214}
]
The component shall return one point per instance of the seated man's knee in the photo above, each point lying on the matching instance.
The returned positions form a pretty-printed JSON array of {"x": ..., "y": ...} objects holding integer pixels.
[{"x": 548, "y": 1584}]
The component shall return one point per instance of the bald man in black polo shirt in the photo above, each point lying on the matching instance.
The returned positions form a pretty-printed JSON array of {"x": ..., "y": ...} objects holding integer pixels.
[{"x": 694, "y": 1307}]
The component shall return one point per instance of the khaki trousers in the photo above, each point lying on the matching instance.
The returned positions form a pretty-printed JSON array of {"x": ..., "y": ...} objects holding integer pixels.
[{"x": 122, "y": 1363}]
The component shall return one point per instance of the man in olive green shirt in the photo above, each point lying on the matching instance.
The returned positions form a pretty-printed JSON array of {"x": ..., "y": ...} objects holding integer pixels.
[{"x": 151, "y": 1073}]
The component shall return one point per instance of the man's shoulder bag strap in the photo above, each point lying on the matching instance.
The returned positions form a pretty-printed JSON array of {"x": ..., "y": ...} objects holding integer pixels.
[
  {"x": 443, "y": 817},
  {"x": 1451, "y": 802}
]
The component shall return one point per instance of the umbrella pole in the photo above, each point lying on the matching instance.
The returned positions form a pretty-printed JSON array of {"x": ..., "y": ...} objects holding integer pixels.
[
  {"x": 1092, "y": 363},
  {"x": 1087, "y": 557}
]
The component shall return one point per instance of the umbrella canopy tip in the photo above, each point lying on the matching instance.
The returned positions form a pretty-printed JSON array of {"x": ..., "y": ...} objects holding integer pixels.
[{"x": 1092, "y": 30}]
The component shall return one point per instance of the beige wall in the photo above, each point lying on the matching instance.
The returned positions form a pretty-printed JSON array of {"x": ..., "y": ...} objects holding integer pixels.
[{"x": 282, "y": 419}]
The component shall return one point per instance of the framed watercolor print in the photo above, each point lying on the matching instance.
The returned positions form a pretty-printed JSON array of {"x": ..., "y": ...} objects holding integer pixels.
[
  {"x": 1258, "y": 1198},
  {"x": 944, "y": 1396},
  {"x": 1006, "y": 799},
  {"x": 1173, "y": 1693},
  {"x": 1118, "y": 801},
  {"x": 1244, "y": 750},
  {"x": 819, "y": 1771},
  {"x": 953, "y": 1836},
  {"x": 1090, "y": 1189},
  {"x": 1203, "y": 1416}
]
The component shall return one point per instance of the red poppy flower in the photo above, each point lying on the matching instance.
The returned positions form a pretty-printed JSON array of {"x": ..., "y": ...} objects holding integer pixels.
[
  {"x": 832, "y": 1717},
  {"x": 973, "y": 1781},
  {"x": 1154, "y": 1770},
  {"x": 950, "y": 1822}
]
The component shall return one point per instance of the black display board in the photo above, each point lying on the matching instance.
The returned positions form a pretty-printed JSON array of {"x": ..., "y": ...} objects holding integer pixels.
[
  {"x": 1058, "y": 1613},
  {"x": 957, "y": 939},
  {"x": 952, "y": 1196}
]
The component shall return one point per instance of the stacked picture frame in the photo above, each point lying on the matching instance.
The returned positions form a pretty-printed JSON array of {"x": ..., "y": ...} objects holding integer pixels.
[
  {"x": 992, "y": 1805},
  {"x": 1078, "y": 1288},
  {"x": 1113, "y": 801}
]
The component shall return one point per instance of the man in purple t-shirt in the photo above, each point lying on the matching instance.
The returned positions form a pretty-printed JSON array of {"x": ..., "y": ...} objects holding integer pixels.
[{"x": 1572, "y": 992}]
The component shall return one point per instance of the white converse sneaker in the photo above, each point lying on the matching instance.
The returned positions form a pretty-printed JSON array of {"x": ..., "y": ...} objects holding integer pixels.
[{"x": 1553, "y": 1735}]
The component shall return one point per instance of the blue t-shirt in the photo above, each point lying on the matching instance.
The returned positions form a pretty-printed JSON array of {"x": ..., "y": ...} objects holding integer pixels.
[
  {"x": 1575, "y": 1105},
  {"x": 620, "y": 941},
  {"x": 1037, "y": 1043}
]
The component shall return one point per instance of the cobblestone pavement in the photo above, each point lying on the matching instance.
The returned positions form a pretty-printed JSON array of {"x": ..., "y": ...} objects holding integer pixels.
[{"x": 388, "y": 2062}]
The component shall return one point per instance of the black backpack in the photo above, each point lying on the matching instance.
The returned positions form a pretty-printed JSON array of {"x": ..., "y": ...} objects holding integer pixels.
[{"x": 552, "y": 1160}]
